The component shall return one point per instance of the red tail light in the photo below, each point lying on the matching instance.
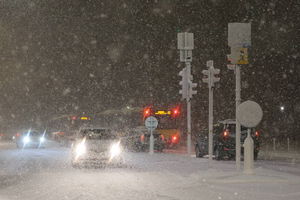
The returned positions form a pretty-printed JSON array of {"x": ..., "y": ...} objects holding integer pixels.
[
  {"x": 147, "y": 112},
  {"x": 73, "y": 117},
  {"x": 226, "y": 133},
  {"x": 174, "y": 139},
  {"x": 257, "y": 134},
  {"x": 142, "y": 138},
  {"x": 175, "y": 112},
  {"x": 18, "y": 135}
]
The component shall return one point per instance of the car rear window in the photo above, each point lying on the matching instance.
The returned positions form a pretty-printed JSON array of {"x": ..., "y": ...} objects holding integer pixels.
[{"x": 231, "y": 128}]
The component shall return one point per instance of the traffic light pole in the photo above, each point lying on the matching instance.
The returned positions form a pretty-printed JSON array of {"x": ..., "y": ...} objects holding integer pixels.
[
  {"x": 238, "y": 125},
  {"x": 189, "y": 117},
  {"x": 185, "y": 43},
  {"x": 210, "y": 80},
  {"x": 210, "y": 123}
]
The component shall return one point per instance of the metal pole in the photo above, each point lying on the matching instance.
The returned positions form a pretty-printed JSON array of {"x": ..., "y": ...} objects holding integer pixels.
[
  {"x": 151, "y": 149},
  {"x": 210, "y": 120},
  {"x": 238, "y": 125},
  {"x": 188, "y": 103}
]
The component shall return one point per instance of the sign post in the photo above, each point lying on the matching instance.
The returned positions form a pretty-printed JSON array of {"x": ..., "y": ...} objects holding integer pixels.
[
  {"x": 249, "y": 114},
  {"x": 151, "y": 124},
  {"x": 239, "y": 39}
]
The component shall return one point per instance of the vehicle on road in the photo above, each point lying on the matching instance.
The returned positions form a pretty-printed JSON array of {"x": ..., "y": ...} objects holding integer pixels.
[
  {"x": 224, "y": 141},
  {"x": 159, "y": 142},
  {"x": 96, "y": 147},
  {"x": 169, "y": 122},
  {"x": 30, "y": 138},
  {"x": 138, "y": 139}
]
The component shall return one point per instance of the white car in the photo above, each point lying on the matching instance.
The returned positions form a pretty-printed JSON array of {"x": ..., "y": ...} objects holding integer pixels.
[{"x": 96, "y": 147}]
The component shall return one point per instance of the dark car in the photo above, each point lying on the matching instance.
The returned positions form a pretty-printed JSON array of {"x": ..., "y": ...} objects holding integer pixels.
[
  {"x": 159, "y": 143},
  {"x": 30, "y": 138},
  {"x": 224, "y": 141},
  {"x": 138, "y": 139}
]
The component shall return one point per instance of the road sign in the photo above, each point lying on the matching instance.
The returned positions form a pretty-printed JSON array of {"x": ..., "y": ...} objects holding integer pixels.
[
  {"x": 239, "y": 34},
  {"x": 238, "y": 56},
  {"x": 185, "y": 43},
  {"x": 249, "y": 114},
  {"x": 151, "y": 123}
]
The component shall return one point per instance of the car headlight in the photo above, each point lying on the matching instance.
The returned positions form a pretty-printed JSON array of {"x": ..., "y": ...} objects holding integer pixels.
[
  {"x": 80, "y": 149},
  {"x": 26, "y": 139},
  {"x": 115, "y": 150},
  {"x": 42, "y": 139}
]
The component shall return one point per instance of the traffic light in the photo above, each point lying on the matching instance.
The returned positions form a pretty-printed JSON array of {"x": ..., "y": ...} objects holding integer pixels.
[
  {"x": 183, "y": 83},
  {"x": 213, "y": 73},
  {"x": 209, "y": 75},
  {"x": 192, "y": 86},
  {"x": 206, "y": 78}
]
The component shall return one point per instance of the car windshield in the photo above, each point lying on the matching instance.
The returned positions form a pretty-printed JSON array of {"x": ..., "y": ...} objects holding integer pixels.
[
  {"x": 90, "y": 79},
  {"x": 33, "y": 133},
  {"x": 98, "y": 134}
]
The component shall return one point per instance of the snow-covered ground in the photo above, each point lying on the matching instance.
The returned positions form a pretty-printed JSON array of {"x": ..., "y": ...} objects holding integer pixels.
[{"x": 33, "y": 174}]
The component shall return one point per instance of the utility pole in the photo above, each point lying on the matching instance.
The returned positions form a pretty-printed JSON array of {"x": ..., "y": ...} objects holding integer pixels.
[
  {"x": 185, "y": 42},
  {"x": 210, "y": 79},
  {"x": 238, "y": 125}
]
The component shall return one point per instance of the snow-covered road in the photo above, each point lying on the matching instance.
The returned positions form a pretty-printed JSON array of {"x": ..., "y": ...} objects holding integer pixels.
[{"x": 33, "y": 174}]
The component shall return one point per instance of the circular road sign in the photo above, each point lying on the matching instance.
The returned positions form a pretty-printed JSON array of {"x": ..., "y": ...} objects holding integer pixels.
[
  {"x": 249, "y": 114},
  {"x": 151, "y": 123}
]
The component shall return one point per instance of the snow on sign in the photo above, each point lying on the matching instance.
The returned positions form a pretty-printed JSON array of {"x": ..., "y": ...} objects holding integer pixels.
[
  {"x": 239, "y": 35},
  {"x": 151, "y": 123},
  {"x": 249, "y": 114}
]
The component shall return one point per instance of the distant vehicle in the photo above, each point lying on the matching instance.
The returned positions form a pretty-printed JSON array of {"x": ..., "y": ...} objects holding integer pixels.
[
  {"x": 139, "y": 140},
  {"x": 224, "y": 141},
  {"x": 96, "y": 146},
  {"x": 159, "y": 142},
  {"x": 169, "y": 118},
  {"x": 132, "y": 138},
  {"x": 30, "y": 138}
]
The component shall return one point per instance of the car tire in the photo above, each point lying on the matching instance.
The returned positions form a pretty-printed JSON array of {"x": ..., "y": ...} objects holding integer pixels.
[
  {"x": 218, "y": 155},
  {"x": 198, "y": 153},
  {"x": 255, "y": 155},
  {"x": 160, "y": 149}
]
